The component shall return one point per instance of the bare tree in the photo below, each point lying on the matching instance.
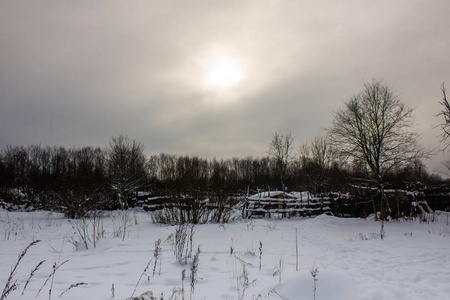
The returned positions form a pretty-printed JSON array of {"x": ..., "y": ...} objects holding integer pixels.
[
  {"x": 316, "y": 159},
  {"x": 445, "y": 113},
  {"x": 375, "y": 127},
  {"x": 127, "y": 168},
  {"x": 280, "y": 149},
  {"x": 320, "y": 151}
]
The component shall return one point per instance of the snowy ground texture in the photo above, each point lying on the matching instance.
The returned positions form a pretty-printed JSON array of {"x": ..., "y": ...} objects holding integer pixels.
[{"x": 412, "y": 262}]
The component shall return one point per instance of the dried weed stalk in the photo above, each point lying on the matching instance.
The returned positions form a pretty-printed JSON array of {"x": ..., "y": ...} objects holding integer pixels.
[{"x": 11, "y": 283}]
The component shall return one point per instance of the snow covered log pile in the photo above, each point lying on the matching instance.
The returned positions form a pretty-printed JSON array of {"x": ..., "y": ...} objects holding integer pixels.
[{"x": 285, "y": 205}]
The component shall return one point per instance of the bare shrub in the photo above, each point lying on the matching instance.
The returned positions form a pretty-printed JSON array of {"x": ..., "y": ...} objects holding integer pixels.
[
  {"x": 87, "y": 231},
  {"x": 120, "y": 224},
  {"x": 199, "y": 213},
  {"x": 182, "y": 241},
  {"x": 82, "y": 235}
]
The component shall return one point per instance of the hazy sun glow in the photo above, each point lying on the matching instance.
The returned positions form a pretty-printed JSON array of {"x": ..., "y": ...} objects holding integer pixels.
[{"x": 224, "y": 73}]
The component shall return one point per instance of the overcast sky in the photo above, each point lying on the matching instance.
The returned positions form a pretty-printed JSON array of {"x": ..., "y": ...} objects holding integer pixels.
[{"x": 76, "y": 73}]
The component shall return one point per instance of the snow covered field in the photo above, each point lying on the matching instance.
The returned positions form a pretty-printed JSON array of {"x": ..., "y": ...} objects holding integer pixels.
[{"x": 412, "y": 262}]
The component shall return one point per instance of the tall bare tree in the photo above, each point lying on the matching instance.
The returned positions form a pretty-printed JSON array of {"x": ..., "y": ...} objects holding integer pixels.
[
  {"x": 280, "y": 149},
  {"x": 375, "y": 127}
]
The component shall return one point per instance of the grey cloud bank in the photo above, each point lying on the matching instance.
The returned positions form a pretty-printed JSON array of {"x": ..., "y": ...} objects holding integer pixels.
[{"x": 76, "y": 73}]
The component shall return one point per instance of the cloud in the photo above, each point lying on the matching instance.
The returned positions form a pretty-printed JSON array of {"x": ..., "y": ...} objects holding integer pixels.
[{"x": 79, "y": 72}]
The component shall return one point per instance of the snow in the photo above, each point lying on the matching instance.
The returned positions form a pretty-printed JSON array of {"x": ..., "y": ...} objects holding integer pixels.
[{"x": 411, "y": 262}]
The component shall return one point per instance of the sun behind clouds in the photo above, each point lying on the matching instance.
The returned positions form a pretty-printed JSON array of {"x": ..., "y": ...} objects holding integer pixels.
[{"x": 223, "y": 72}]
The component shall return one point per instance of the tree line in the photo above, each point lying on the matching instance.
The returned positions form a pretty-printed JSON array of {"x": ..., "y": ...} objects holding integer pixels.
[{"x": 75, "y": 180}]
